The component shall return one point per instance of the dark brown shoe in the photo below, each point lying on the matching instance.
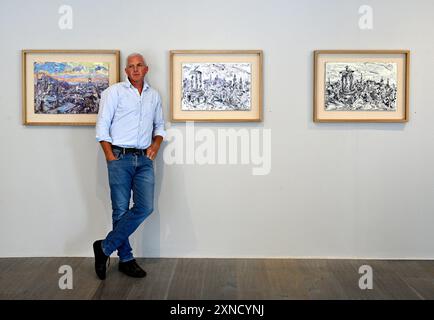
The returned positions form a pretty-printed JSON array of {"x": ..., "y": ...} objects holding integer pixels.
[{"x": 132, "y": 269}]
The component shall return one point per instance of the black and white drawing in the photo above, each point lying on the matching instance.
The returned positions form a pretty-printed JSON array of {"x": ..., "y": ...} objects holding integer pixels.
[
  {"x": 360, "y": 86},
  {"x": 216, "y": 86}
]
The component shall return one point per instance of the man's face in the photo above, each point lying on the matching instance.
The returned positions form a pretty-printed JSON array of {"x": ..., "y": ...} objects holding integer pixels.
[{"x": 136, "y": 69}]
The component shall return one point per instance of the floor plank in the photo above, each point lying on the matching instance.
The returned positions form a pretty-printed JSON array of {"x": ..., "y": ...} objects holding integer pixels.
[
  {"x": 252, "y": 279},
  {"x": 319, "y": 280},
  {"x": 156, "y": 284},
  {"x": 220, "y": 280},
  {"x": 387, "y": 283},
  {"x": 285, "y": 279},
  {"x": 188, "y": 279}
]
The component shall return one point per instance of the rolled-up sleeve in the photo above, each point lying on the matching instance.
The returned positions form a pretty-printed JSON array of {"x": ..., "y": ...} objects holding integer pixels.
[
  {"x": 159, "y": 120},
  {"x": 105, "y": 115}
]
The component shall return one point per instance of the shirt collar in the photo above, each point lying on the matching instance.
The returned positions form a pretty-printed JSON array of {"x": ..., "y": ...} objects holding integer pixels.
[{"x": 128, "y": 84}]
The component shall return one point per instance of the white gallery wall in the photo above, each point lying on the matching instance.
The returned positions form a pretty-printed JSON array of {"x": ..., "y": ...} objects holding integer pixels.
[{"x": 334, "y": 190}]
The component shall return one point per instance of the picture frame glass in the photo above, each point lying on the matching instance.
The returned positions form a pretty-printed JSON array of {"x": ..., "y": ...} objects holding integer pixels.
[
  {"x": 361, "y": 86},
  {"x": 64, "y": 87},
  {"x": 216, "y": 86}
]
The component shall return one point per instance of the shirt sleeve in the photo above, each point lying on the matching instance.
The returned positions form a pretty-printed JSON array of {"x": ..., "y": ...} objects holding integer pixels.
[
  {"x": 106, "y": 112},
  {"x": 159, "y": 120}
]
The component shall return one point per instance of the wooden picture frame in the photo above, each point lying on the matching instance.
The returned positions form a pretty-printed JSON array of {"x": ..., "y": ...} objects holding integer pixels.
[
  {"x": 216, "y": 85},
  {"x": 361, "y": 85},
  {"x": 63, "y": 87}
]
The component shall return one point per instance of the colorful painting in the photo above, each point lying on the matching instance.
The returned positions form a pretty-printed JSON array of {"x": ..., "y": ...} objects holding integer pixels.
[{"x": 69, "y": 87}]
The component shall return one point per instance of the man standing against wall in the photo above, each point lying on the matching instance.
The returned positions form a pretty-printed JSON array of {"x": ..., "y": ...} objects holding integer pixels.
[{"x": 130, "y": 129}]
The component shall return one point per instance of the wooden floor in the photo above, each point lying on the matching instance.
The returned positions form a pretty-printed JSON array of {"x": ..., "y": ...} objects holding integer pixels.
[{"x": 38, "y": 278}]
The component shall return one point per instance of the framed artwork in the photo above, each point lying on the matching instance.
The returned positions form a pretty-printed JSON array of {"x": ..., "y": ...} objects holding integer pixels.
[
  {"x": 216, "y": 86},
  {"x": 361, "y": 85},
  {"x": 63, "y": 87}
]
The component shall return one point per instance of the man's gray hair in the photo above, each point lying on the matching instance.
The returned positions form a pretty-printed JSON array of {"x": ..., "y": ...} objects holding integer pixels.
[{"x": 135, "y": 54}]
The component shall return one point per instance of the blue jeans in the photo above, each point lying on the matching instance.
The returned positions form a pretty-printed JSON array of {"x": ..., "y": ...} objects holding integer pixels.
[{"x": 130, "y": 172}]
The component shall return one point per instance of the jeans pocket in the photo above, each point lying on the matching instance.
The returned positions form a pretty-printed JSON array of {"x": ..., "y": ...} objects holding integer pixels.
[{"x": 117, "y": 154}]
